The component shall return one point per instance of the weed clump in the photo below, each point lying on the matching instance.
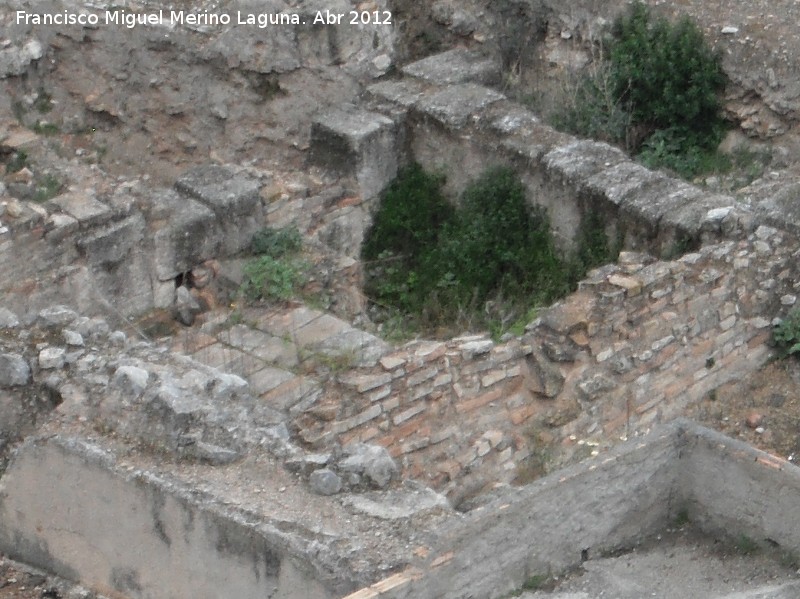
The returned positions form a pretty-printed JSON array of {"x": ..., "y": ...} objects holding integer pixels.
[
  {"x": 277, "y": 272},
  {"x": 786, "y": 334}
]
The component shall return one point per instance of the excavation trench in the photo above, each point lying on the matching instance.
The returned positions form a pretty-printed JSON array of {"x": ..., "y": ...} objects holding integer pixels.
[{"x": 636, "y": 343}]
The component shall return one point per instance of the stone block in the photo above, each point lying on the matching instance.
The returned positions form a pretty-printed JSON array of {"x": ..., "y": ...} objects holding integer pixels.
[
  {"x": 356, "y": 143},
  {"x": 59, "y": 227},
  {"x": 456, "y": 66},
  {"x": 620, "y": 183},
  {"x": 454, "y": 105},
  {"x": 110, "y": 245},
  {"x": 234, "y": 199},
  {"x": 514, "y": 119},
  {"x": 403, "y": 93},
  {"x": 222, "y": 190},
  {"x": 579, "y": 160},
  {"x": 325, "y": 482},
  {"x": 365, "y": 382},
  {"x": 189, "y": 236},
  {"x": 362, "y": 348},
  {"x": 83, "y": 208},
  {"x": 14, "y": 371}
]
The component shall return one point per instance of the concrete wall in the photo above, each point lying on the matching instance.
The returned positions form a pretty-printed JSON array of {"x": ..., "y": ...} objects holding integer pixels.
[
  {"x": 67, "y": 508},
  {"x": 732, "y": 490},
  {"x": 728, "y": 488}
]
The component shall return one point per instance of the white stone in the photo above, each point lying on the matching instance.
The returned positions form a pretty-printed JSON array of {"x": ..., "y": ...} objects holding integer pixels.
[
  {"x": 73, "y": 338},
  {"x": 131, "y": 379},
  {"x": 52, "y": 357}
]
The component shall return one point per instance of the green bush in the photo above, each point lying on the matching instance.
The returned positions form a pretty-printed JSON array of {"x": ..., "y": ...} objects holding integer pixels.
[
  {"x": 400, "y": 245},
  {"x": 276, "y": 242},
  {"x": 412, "y": 212},
  {"x": 498, "y": 243},
  {"x": 787, "y": 333},
  {"x": 667, "y": 74},
  {"x": 273, "y": 279},
  {"x": 654, "y": 88},
  {"x": 682, "y": 153}
]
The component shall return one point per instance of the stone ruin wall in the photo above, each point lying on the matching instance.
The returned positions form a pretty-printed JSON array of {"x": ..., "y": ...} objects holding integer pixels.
[
  {"x": 122, "y": 255},
  {"x": 636, "y": 344}
]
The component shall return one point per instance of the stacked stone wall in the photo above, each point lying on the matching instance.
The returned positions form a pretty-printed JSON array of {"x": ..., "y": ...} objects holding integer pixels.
[
  {"x": 636, "y": 344},
  {"x": 122, "y": 254}
]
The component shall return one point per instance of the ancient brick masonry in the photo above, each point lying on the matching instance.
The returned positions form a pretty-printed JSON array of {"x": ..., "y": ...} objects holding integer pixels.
[{"x": 636, "y": 344}]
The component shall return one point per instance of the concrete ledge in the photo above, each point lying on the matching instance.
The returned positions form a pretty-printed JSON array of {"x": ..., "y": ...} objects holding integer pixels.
[
  {"x": 357, "y": 143},
  {"x": 727, "y": 487},
  {"x": 66, "y": 507}
]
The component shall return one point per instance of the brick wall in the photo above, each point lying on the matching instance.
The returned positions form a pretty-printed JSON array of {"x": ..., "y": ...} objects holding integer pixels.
[{"x": 637, "y": 343}]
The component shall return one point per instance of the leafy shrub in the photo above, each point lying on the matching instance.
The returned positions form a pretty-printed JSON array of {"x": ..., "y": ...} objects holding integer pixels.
[
  {"x": 787, "y": 333},
  {"x": 668, "y": 75},
  {"x": 410, "y": 217},
  {"x": 273, "y": 279},
  {"x": 682, "y": 153},
  {"x": 497, "y": 242},
  {"x": 404, "y": 236}
]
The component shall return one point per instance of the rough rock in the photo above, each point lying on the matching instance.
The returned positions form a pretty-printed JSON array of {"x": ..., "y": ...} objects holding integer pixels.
[
  {"x": 325, "y": 482},
  {"x": 185, "y": 307},
  {"x": 57, "y": 316},
  {"x": 52, "y": 357},
  {"x": 8, "y": 320},
  {"x": 371, "y": 461},
  {"x": 131, "y": 380},
  {"x": 14, "y": 370},
  {"x": 396, "y": 504},
  {"x": 15, "y": 60}
]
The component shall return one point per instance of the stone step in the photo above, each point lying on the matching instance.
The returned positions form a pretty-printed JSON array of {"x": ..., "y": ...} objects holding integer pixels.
[{"x": 456, "y": 66}]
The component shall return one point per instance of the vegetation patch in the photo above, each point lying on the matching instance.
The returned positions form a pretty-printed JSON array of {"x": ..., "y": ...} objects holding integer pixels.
[
  {"x": 654, "y": 88},
  {"x": 487, "y": 264},
  {"x": 47, "y": 188},
  {"x": 17, "y": 161},
  {"x": 787, "y": 334},
  {"x": 277, "y": 273}
]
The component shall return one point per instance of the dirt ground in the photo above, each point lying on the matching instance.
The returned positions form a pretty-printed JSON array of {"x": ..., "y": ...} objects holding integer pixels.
[
  {"x": 21, "y": 582},
  {"x": 763, "y": 409}
]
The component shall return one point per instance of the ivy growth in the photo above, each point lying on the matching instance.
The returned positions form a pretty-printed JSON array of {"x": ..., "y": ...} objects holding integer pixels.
[{"x": 276, "y": 273}]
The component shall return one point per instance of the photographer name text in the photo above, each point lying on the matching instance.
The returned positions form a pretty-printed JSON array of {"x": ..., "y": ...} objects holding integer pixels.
[{"x": 130, "y": 20}]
